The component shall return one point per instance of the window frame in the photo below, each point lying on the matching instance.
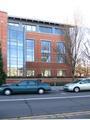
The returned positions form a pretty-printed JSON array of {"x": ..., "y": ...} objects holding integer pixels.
[{"x": 49, "y": 51}]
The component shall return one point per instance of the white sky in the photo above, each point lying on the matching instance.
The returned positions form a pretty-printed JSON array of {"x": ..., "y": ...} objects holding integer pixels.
[{"x": 61, "y": 11}]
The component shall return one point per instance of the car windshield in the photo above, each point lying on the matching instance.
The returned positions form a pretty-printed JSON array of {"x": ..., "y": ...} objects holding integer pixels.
[{"x": 76, "y": 81}]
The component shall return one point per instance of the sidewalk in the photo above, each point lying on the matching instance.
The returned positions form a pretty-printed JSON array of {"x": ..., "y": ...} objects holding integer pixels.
[{"x": 56, "y": 88}]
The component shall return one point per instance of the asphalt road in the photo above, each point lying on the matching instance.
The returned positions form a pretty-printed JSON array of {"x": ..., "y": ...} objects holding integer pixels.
[{"x": 59, "y": 103}]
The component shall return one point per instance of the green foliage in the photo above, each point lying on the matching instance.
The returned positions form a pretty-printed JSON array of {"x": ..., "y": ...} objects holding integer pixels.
[{"x": 2, "y": 73}]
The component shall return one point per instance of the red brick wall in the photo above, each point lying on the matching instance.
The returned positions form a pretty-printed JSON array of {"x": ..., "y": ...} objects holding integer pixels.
[
  {"x": 48, "y": 80},
  {"x": 3, "y": 37},
  {"x": 38, "y": 65}
]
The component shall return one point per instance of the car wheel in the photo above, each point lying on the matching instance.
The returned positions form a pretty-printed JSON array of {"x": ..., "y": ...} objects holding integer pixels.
[
  {"x": 7, "y": 92},
  {"x": 41, "y": 91},
  {"x": 76, "y": 89}
]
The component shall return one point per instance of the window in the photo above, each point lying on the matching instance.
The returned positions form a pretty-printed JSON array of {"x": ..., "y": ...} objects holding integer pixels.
[
  {"x": 15, "y": 51},
  {"x": 59, "y": 31},
  {"x": 61, "y": 47},
  {"x": 23, "y": 83},
  {"x": 88, "y": 80},
  {"x": 32, "y": 83},
  {"x": 13, "y": 71},
  {"x": 30, "y": 72},
  {"x": 61, "y": 73},
  {"x": 20, "y": 71},
  {"x": 61, "y": 58},
  {"x": 45, "y": 51},
  {"x": 46, "y": 73},
  {"x": 30, "y": 28},
  {"x": 13, "y": 24},
  {"x": 45, "y": 29},
  {"x": 30, "y": 50}
]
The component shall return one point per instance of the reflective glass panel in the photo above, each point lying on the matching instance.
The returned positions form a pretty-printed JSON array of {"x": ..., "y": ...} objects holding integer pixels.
[
  {"x": 61, "y": 47},
  {"x": 30, "y": 50},
  {"x": 46, "y": 73},
  {"x": 45, "y": 51},
  {"x": 59, "y": 31},
  {"x": 45, "y": 29},
  {"x": 15, "y": 49}
]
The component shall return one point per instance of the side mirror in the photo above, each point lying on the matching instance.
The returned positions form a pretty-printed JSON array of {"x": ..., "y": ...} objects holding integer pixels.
[{"x": 80, "y": 83}]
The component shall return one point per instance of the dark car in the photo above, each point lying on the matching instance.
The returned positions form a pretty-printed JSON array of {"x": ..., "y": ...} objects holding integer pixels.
[{"x": 25, "y": 86}]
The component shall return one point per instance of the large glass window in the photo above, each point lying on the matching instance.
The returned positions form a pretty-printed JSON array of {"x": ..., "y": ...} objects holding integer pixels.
[
  {"x": 13, "y": 24},
  {"x": 45, "y": 29},
  {"x": 46, "y": 73},
  {"x": 59, "y": 31},
  {"x": 15, "y": 50},
  {"x": 61, "y": 73},
  {"x": 29, "y": 50},
  {"x": 61, "y": 47},
  {"x": 31, "y": 28},
  {"x": 61, "y": 52},
  {"x": 60, "y": 58},
  {"x": 45, "y": 51},
  {"x": 30, "y": 73}
]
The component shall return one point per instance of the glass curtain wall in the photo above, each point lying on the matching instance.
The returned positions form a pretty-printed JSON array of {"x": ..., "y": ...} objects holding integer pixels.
[{"x": 15, "y": 52}]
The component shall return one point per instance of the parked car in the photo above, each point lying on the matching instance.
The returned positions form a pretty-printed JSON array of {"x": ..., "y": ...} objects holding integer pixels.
[
  {"x": 26, "y": 86},
  {"x": 78, "y": 85}
]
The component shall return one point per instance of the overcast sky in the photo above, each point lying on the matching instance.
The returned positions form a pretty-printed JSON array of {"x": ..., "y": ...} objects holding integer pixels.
[{"x": 61, "y": 11}]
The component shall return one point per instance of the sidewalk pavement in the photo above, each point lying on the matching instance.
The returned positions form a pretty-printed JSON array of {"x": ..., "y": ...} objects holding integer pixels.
[{"x": 56, "y": 88}]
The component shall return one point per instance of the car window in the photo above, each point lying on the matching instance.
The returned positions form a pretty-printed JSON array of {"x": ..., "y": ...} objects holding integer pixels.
[
  {"x": 88, "y": 80},
  {"x": 84, "y": 81},
  {"x": 23, "y": 83},
  {"x": 31, "y": 82},
  {"x": 76, "y": 81}
]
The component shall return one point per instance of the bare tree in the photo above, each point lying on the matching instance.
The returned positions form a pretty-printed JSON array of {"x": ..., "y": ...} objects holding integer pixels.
[
  {"x": 86, "y": 50},
  {"x": 73, "y": 39}
]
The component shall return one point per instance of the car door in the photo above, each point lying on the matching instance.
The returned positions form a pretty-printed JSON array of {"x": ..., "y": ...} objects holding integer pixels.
[
  {"x": 32, "y": 86},
  {"x": 21, "y": 87},
  {"x": 84, "y": 85},
  {"x": 88, "y": 85}
]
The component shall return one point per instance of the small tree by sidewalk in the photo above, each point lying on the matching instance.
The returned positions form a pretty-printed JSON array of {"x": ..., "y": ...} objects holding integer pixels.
[{"x": 2, "y": 73}]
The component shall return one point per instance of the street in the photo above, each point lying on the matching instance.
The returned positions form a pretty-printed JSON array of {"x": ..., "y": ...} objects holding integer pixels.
[{"x": 63, "y": 104}]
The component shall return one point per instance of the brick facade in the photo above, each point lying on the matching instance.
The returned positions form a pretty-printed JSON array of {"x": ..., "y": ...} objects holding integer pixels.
[
  {"x": 53, "y": 66},
  {"x": 38, "y": 66},
  {"x": 3, "y": 37}
]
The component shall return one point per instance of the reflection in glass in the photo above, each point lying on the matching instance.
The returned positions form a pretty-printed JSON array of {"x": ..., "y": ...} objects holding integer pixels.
[
  {"x": 61, "y": 52},
  {"x": 13, "y": 71},
  {"x": 60, "y": 58},
  {"x": 45, "y": 29},
  {"x": 30, "y": 50},
  {"x": 15, "y": 50},
  {"x": 45, "y": 51},
  {"x": 59, "y": 31},
  {"x": 31, "y": 28},
  {"x": 61, "y": 47},
  {"x": 61, "y": 73},
  {"x": 46, "y": 73},
  {"x": 30, "y": 72}
]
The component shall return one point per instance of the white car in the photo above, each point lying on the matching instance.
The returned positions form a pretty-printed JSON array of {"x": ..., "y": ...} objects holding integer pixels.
[{"x": 78, "y": 85}]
